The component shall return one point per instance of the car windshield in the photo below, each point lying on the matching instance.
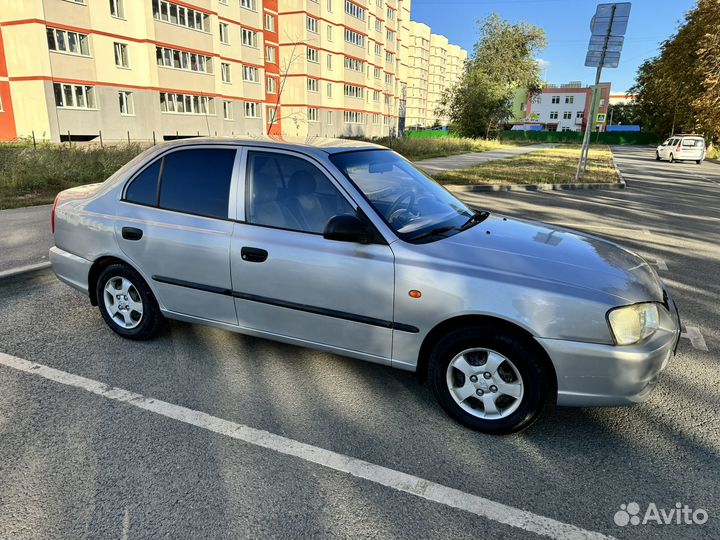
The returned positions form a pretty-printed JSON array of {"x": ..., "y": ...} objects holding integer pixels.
[{"x": 412, "y": 204}]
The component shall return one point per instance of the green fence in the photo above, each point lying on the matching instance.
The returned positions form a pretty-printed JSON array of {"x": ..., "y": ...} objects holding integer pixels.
[
  {"x": 612, "y": 137},
  {"x": 429, "y": 134}
]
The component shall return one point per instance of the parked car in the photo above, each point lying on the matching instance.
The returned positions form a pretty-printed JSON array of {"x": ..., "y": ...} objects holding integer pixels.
[
  {"x": 682, "y": 148},
  {"x": 345, "y": 247}
]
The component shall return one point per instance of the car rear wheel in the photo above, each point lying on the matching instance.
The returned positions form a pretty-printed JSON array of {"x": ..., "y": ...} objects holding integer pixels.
[
  {"x": 672, "y": 158},
  {"x": 490, "y": 380},
  {"x": 127, "y": 304}
]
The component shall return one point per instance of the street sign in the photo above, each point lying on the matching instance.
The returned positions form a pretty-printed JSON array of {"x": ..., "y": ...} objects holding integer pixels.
[
  {"x": 601, "y": 117},
  {"x": 595, "y": 59},
  {"x": 601, "y": 25},
  {"x": 598, "y": 43}
]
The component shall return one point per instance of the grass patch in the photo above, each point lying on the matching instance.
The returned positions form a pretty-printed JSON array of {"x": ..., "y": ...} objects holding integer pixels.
[
  {"x": 31, "y": 176},
  {"x": 550, "y": 166},
  {"x": 417, "y": 149}
]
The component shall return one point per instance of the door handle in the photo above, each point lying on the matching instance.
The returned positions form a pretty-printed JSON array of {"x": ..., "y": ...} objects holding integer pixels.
[
  {"x": 131, "y": 233},
  {"x": 252, "y": 254}
]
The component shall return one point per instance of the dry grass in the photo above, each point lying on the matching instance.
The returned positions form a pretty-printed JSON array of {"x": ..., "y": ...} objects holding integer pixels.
[
  {"x": 30, "y": 176},
  {"x": 551, "y": 166},
  {"x": 418, "y": 149}
]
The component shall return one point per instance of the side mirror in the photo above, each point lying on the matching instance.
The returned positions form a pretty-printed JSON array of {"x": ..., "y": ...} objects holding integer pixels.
[{"x": 347, "y": 228}]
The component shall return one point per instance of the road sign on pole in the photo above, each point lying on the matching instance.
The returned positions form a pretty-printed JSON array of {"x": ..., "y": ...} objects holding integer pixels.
[{"x": 608, "y": 26}]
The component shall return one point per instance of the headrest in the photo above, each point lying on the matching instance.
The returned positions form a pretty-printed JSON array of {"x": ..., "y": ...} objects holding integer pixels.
[{"x": 301, "y": 183}]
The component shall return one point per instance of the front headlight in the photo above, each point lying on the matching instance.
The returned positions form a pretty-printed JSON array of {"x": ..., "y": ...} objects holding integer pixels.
[{"x": 631, "y": 324}]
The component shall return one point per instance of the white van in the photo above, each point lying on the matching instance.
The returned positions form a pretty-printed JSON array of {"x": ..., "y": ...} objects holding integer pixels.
[{"x": 682, "y": 148}]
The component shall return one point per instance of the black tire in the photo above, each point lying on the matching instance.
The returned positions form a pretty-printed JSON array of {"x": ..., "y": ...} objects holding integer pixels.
[
  {"x": 672, "y": 158},
  {"x": 537, "y": 379},
  {"x": 657, "y": 156},
  {"x": 698, "y": 161},
  {"x": 151, "y": 319}
]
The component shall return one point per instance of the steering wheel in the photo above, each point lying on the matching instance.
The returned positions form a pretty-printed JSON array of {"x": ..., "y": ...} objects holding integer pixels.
[{"x": 395, "y": 206}]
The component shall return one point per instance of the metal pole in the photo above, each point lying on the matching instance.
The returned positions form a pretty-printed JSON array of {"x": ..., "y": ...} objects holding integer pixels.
[
  {"x": 154, "y": 142},
  {"x": 101, "y": 141},
  {"x": 128, "y": 137},
  {"x": 34, "y": 142}
]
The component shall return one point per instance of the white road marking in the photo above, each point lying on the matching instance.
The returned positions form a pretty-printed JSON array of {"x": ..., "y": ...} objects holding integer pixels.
[
  {"x": 454, "y": 498},
  {"x": 660, "y": 263},
  {"x": 696, "y": 338},
  {"x": 125, "y": 525},
  {"x": 22, "y": 269}
]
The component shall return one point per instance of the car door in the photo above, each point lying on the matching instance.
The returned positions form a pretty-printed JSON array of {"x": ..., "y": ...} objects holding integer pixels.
[
  {"x": 663, "y": 151},
  {"x": 290, "y": 281},
  {"x": 173, "y": 226}
]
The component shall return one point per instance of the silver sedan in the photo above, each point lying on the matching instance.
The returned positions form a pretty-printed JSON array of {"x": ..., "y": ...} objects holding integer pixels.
[{"x": 346, "y": 247}]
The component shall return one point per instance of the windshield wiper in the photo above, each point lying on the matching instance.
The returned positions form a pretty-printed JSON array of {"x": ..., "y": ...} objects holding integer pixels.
[
  {"x": 433, "y": 232},
  {"x": 477, "y": 217}
]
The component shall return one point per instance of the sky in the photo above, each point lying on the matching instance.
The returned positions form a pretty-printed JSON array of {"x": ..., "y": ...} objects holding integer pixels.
[{"x": 567, "y": 25}]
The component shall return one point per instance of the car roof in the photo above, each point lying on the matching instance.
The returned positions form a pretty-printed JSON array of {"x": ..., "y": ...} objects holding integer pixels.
[
  {"x": 689, "y": 135},
  {"x": 307, "y": 145}
]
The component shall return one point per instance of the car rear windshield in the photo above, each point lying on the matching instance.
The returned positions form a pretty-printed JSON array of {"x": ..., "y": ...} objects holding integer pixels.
[{"x": 693, "y": 142}]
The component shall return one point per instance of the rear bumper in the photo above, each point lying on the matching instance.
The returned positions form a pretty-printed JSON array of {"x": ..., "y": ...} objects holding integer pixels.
[
  {"x": 592, "y": 374},
  {"x": 70, "y": 268}
]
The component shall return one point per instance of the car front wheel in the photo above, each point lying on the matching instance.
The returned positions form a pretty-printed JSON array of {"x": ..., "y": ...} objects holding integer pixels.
[
  {"x": 657, "y": 156},
  {"x": 672, "y": 158},
  {"x": 490, "y": 380},
  {"x": 127, "y": 304}
]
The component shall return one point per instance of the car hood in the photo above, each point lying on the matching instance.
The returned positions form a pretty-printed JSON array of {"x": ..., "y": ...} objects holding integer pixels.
[{"x": 554, "y": 255}]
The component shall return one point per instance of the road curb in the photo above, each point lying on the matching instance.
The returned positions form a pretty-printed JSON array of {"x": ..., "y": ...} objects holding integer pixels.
[
  {"x": 21, "y": 270},
  {"x": 535, "y": 187}
]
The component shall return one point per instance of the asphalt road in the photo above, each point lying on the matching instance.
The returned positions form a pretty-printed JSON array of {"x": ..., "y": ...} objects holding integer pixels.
[
  {"x": 25, "y": 236},
  {"x": 78, "y": 464}
]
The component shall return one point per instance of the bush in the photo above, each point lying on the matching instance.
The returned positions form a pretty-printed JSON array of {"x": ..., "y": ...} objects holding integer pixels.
[{"x": 613, "y": 137}]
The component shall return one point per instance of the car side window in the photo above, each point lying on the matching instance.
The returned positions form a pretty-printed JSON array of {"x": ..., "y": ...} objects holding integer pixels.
[
  {"x": 666, "y": 143},
  {"x": 288, "y": 192},
  {"x": 143, "y": 188},
  {"x": 197, "y": 181}
]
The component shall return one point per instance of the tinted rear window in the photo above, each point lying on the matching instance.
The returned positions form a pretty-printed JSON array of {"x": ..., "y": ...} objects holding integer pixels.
[
  {"x": 693, "y": 142},
  {"x": 197, "y": 181},
  {"x": 143, "y": 189}
]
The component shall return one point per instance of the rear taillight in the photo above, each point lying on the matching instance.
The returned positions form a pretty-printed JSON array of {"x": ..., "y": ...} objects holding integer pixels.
[{"x": 52, "y": 218}]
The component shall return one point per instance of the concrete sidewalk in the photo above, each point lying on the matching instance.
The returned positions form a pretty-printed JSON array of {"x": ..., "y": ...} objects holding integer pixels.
[
  {"x": 25, "y": 236},
  {"x": 462, "y": 161}
]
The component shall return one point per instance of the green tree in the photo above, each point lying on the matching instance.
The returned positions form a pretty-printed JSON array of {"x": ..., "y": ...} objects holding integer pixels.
[
  {"x": 502, "y": 61},
  {"x": 678, "y": 91},
  {"x": 627, "y": 114}
]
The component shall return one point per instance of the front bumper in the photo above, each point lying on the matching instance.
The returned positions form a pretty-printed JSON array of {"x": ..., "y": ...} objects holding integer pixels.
[
  {"x": 593, "y": 374},
  {"x": 70, "y": 268}
]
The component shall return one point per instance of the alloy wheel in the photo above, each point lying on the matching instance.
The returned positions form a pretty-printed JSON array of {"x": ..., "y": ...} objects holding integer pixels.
[{"x": 123, "y": 302}]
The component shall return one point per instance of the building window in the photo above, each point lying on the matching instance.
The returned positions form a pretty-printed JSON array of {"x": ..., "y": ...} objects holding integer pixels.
[
  {"x": 353, "y": 64},
  {"x": 354, "y": 10},
  {"x": 390, "y": 35},
  {"x": 330, "y": 5},
  {"x": 224, "y": 33},
  {"x": 311, "y": 24},
  {"x": 389, "y": 57},
  {"x": 174, "y": 58},
  {"x": 312, "y": 55},
  {"x": 270, "y": 55},
  {"x": 74, "y": 96},
  {"x": 390, "y": 13},
  {"x": 353, "y": 91},
  {"x": 329, "y": 32},
  {"x": 553, "y": 115},
  {"x": 271, "y": 85},
  {"x": 353, "y": 117},
  {"x": 329, "y": 90},
  {"x": 251, "y": 110},
  {"x": 580, "y": 114},
  {"x": 227, "y": 110},
  {"x": 329, "y": 61},
  {"x": 329, "y": 118},
  {"x": 249, "y": 37},
  {"x": 1, "y": 105},
  {"x": 269, "y": 22},
  {"x": 378, "y": 49},
  {"x": 312, "y": 115},
  {"x": 186, "y": 104},
  {"x": 174, "y": 14},
  {"x": 225, "y": 72},
  {"x": 249, "y": 4},
  {"x": 388, "y": 78},
  {"x": 354, "y": 38},
  {"x": 117, "y": 9},
  {"x": 68, "y": 42},
  {"x": 271, "y": 115},
  {"x": 378, "y": 25},
  {"x": 555, "y": 99},
  {"x": 127, "y": 106},
  {"x": 376, "y": 96},
  {"x": 250, "y": 74},
  {"x": 567, "y": 115},
  {"x": 377, "y": 72},
  {"x": 312, "y": 85},
  {"x": 121, "y": 55},
  {"x": 569, "y": 99}
]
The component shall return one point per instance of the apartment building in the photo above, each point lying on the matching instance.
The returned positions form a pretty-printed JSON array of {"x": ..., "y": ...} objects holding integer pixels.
[
  {"x": 160, "y": 69},
  {"x": 434, "y": 66},
  {"x": 559, "y": 107}
]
